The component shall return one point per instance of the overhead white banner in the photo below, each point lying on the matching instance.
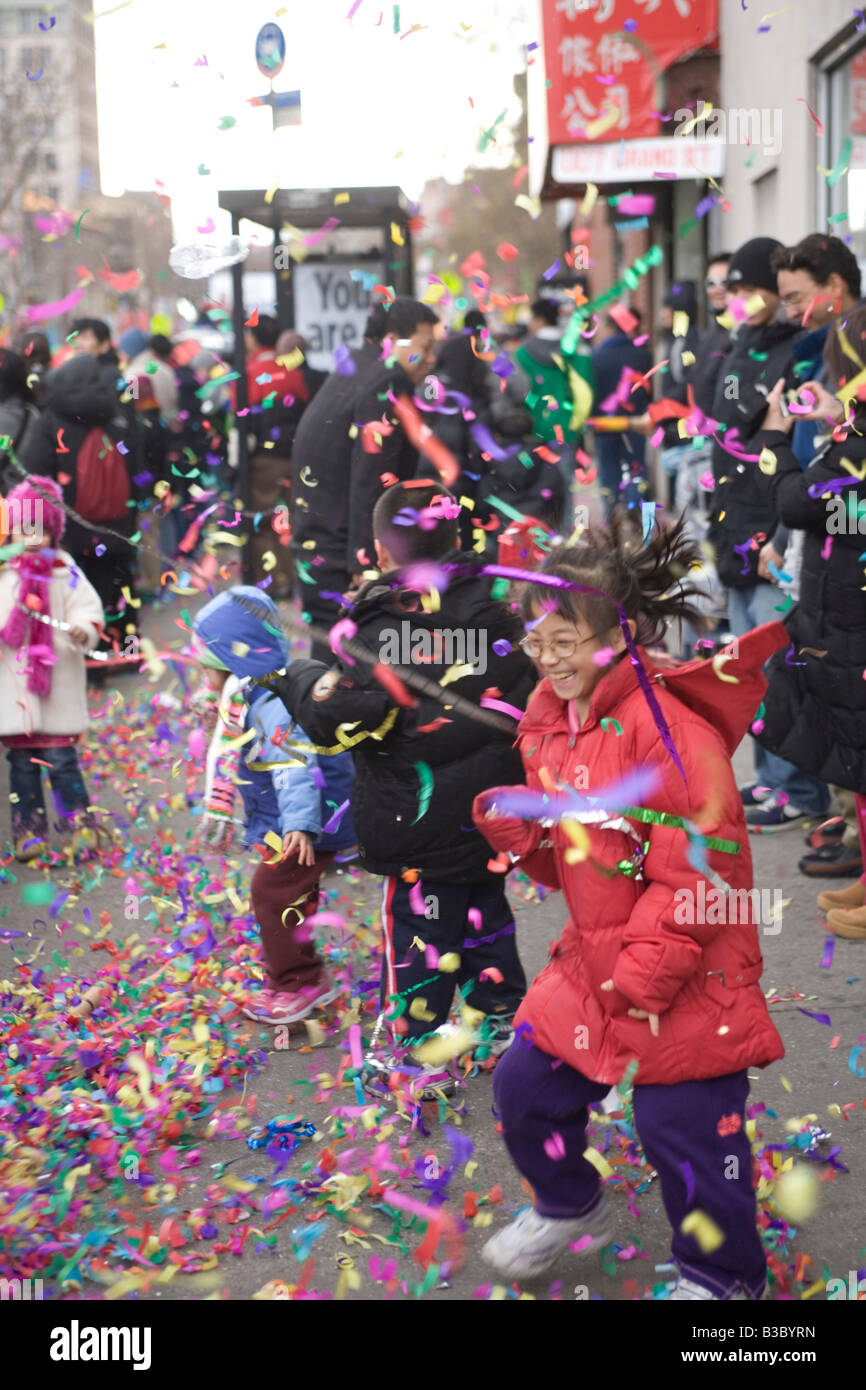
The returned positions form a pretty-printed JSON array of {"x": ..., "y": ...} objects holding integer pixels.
[{"x": 626, "y": 161}]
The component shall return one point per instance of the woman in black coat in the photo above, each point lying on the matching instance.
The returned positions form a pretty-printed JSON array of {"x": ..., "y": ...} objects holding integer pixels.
[{"x": 815, "y": 706}]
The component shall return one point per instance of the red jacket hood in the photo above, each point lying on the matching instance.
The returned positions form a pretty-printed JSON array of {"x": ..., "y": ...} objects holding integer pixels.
[{"x": 725, "y": 691}]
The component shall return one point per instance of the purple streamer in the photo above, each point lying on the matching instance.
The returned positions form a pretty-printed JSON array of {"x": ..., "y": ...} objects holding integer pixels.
[
  {"x": 819, "y": 1018},
  {"x": 832, "y": 485},
  {"x": 526, "y": 804},
  {"x": 485, "y": 441},
  {"x": 689, "y": 1178},
  {"x": 331, "y": 825}
]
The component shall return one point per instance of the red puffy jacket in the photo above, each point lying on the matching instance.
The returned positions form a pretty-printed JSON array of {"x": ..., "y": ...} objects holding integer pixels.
[{"x": 701, "y": 977}]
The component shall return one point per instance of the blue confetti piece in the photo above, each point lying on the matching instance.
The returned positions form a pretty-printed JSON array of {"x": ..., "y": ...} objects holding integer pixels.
[{"x": 781, "y": 575}]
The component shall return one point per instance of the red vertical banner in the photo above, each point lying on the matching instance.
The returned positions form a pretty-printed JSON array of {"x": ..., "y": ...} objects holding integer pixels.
[
  {"x": 857, "y": 69},
  {"x": 605, "y": 61}
]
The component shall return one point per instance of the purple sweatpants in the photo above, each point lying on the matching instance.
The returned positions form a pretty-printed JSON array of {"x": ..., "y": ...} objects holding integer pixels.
[{"x": 699, "y": 1169}]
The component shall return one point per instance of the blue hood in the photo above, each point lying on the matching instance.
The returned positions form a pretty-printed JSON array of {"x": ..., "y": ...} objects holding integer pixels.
[
  {"x": 809, "y": 349},
  {"x": 241, "y": 629}
]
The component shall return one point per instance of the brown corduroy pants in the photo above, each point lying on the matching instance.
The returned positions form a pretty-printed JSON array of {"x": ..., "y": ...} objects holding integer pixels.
[{"x": 283, "y": 896}]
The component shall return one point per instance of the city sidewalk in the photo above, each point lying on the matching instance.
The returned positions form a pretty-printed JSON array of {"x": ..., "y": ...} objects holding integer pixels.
[{"x": 190, "y": 1195}]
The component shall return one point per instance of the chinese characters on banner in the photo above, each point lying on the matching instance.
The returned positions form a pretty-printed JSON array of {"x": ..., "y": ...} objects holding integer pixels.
[
  {"x": 605, "y": 60},
  {"x": 858, "y": 93}
]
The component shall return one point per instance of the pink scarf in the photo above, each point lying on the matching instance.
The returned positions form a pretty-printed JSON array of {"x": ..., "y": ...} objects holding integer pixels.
[{"x": 23, "y": 630}]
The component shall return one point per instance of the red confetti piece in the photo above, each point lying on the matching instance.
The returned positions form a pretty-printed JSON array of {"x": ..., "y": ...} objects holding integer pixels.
[{"x": 394, "y": 686}]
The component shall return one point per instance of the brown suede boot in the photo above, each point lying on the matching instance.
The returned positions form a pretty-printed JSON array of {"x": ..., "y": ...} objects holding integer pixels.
[
  {"x": 852, "y": 896},
  {"x": 850, "y": 924}
]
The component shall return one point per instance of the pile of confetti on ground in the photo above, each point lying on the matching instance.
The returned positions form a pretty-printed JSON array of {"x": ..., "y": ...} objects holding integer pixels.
[{"x": 105, "y": 1121}]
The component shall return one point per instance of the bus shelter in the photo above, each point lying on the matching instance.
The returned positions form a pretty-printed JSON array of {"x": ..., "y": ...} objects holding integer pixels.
[{"x": 331, "y": 248}]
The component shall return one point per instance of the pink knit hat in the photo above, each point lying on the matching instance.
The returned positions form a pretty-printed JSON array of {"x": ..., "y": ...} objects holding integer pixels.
[{"x": 28, "y": 499}]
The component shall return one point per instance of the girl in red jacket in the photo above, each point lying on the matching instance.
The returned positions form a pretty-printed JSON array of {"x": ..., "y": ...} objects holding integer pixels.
[{"x": 656, "y": 974}]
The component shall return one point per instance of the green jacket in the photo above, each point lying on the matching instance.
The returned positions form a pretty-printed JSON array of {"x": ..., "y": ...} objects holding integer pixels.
[{"x": 559, "y": 387}]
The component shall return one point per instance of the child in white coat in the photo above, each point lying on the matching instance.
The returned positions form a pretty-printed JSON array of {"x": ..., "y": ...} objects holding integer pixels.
[{"x": 43, "y": 688}]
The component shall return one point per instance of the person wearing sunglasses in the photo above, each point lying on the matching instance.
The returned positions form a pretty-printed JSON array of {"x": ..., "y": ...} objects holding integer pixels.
[{"x": 716, "y": 282}]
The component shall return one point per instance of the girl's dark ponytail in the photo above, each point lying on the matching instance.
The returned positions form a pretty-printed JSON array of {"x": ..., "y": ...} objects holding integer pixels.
[{"x": 648, "y": 580}]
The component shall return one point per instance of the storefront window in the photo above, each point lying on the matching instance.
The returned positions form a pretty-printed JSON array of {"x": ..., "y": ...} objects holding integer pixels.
[{"x": 846, "y": 108}]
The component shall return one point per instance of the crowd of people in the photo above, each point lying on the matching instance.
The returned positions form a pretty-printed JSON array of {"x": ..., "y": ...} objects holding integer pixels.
[
  {"x": 425, "y": 491},
  {"x": 133, "y": 440}
]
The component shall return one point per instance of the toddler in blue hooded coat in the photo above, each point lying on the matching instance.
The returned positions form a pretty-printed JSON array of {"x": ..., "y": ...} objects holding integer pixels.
[{"x": 296, "y": 807}]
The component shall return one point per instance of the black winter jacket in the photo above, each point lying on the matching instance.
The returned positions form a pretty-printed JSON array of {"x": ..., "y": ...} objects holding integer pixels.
[
  {"x": 711, "y": 348},
  {"x": 816, "y": 709},
  {"x": 396, "y": 457},
  {"x": 335, "y": 481},
  {"x": 17, "y": 419},
  {"x": 321, "y": 469},
  {"x": 82, "y": 395},
  {"x": 673, "y": 380},
  {"x": 454, "y": 430},
  {"x": 519, "y": 479},
  {"x": 745, "y": 374},
  {"x": 460, "y": 757}
]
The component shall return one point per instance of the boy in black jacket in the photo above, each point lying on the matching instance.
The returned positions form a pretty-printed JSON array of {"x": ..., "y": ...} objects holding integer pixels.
[{"x": 419, "y": 762}]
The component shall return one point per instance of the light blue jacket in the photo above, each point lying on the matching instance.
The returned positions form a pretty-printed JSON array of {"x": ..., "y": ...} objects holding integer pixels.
[{"x": 287, "y": 797}]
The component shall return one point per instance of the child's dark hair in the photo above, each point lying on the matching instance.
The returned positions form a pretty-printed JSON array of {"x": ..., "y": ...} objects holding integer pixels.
[
  {"x": 98, "y": 327},
  {"x": 398, "y": 517},
  {"x": 265, "y": 331},
  {"x": 648, "y": 581},
  {"x": 841, "y": 366}
]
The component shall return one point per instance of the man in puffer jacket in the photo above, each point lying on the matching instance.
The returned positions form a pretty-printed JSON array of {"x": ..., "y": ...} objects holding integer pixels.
[
  {"x": 419, "y": 763},
  {"x": 285, "y": 794}
]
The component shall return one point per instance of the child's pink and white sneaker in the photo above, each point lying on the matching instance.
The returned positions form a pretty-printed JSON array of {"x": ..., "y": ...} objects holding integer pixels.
[{"x": 282, "y": 1006}]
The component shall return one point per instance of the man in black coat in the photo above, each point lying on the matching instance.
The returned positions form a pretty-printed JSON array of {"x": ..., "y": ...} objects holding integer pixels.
[
  {"x": 733, "y": 390},
  {"x": 420, "y": 762},
  {"x": 338, "y": 465}
]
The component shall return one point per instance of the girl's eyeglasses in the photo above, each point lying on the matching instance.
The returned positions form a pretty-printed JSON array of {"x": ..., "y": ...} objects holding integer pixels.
[{"x": 562, "y": 647}]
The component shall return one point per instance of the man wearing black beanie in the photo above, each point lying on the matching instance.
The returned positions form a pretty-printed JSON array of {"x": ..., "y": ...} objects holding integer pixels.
[{"x": 732, "y": 389}]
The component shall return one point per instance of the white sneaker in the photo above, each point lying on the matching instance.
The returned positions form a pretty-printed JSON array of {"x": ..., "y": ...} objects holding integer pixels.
[
  {"x": 612, "y": 1102},
  {"x": 531, "y": 1243}
]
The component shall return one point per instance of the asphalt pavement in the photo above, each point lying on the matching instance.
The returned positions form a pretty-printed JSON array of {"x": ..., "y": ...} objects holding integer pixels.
[{"x": 347, "y": 1255}]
